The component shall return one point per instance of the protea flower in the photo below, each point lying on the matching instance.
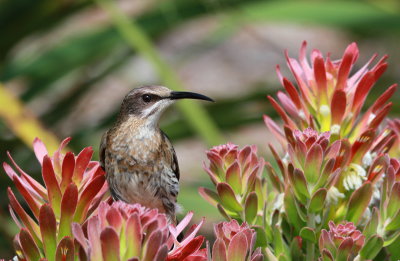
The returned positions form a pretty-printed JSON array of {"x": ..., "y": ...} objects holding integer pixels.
[
  {"x": 341, "y": 242},
  {"x": 234, "y": 242},
  {"x": 327, "y": 98},
  {"x": 74, "y": 186},
  {"x": 311, "y": 166},
  {"x": 132, "y": 232},
  {"x": 121, "y": 232},
  {"x": 236, "y": 173}
]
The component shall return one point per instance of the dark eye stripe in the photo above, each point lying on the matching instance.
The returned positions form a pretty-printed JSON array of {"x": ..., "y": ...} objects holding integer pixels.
[{"x": 155, "y": 97}]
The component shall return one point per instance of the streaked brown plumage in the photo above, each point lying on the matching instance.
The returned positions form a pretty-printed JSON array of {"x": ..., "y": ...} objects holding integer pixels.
[{"x": 139, "y": 160}]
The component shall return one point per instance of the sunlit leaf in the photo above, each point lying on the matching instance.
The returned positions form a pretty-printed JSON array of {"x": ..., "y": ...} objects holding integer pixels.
[
  {"x": 228, "y": 198},
  {"x": 372, "y": 247},
  {"x": 358, "y": 202}
]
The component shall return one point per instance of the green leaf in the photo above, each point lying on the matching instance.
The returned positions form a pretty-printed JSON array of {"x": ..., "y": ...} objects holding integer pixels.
[
  {"x": 317, "y": 202},
  {"x": 48, "y": 229},
  {"x": 326, "y": 255},
  {"x": 133, "y": 237},
  {"x": 261, "y": 239},
  {"x": 110, "y": 244},
  {"x": 325, "y": 242},
  {"x": 394, "y": 249},
  {"x": 209, "y": 195},
  {"x": 30, "y": 249},
  {"x": 394, "y": 201},
  {"x": 223, "y": 212},
  {"x": 68, "y": 207},
  {"x": 313, "y": 163},
  {"x": 261, "y": 192},
  {"x": 392, "y": 238},
  {"x": 371, "y": 227},
  {"x": 233, "y": 178},
  {"x": 291, "y": 211},
  {"x": 270, "y": 256},
  {"x": 282, "y": 257},
  {"x": 358, "y": 202},
  {"x": 299, "y": 184},
  {"x": 295, "y": 248},
  {"x": 325, "y": 173},
  {"x": 251, "y": 207},
  {"x": 28, "y": 222},
  {"x": 228, "y": 198},
  {"x": 275, "y": 217},
  {"x": 344, "y": 250},
  {"x": 308, "y": 233},
  {"x": 394, "y": 223},
  {"x": 273, "y": 177},
  {"x": 278, "y": 241},
  {"x": 372, "y": 247}
]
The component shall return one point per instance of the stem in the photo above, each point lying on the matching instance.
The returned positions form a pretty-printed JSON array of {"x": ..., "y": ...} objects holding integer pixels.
[
  {"x": 196, "y": 116},
  {"x": 310, "y": 245}
]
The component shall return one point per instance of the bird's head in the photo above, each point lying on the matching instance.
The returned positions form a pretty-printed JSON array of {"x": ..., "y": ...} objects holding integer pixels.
[{"x": 148, "y": 102}]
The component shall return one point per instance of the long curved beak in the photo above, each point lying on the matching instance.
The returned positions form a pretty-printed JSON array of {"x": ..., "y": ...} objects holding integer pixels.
[{"x": 189, "y": 95}]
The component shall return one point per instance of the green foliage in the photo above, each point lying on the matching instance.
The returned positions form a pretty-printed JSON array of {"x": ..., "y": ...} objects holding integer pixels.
[
  {"x": 339, "y": 164},
  {"x": 86, "y": 57}
]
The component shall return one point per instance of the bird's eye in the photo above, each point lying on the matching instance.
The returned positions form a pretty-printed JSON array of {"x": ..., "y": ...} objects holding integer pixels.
[{"x": 146, "y": 98}]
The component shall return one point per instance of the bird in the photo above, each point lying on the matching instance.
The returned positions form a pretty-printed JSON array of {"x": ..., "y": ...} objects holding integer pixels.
[{"x": 138, "y": 158}]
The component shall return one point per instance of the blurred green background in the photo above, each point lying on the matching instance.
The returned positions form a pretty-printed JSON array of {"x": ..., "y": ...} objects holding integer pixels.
[{"x": 65, "y": 66}]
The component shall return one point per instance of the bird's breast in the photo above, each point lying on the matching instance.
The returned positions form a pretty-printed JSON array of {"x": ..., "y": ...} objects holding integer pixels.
[
  {"x": 137, "y": 165},
  {"x": 135, "y": 141}
]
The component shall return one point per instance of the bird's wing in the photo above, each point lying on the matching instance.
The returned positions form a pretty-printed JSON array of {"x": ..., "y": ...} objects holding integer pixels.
[
  {"x": 102, "y": 150},
  {"x": 174, "y": 159}
]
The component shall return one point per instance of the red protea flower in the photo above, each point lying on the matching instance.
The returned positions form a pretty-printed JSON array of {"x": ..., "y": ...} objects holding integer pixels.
[
  {"x": 327, "y": 98},
  {"x": 341, "y": 232},
  {"x": 74, "y": 186},
  {"x": 131, "y": 232},
  {"x": 344, "y": 240},
  {"x": 234, "y": 242},
  {"x": 121, "y": 232}
]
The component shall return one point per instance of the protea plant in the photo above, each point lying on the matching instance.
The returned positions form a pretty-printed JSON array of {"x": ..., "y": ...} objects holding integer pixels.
[
  {"x": 236, "y": 173},
  {"x": 74, "y": 186},
  {"x": 327, "y": 98},
  {"x": 334, "y": 167},
  {"x": 341, "y": 242},
  {"x": 235, "y": 242},
  {"x": 333, "y": 192},
  {"x": 133, "y": 232}
]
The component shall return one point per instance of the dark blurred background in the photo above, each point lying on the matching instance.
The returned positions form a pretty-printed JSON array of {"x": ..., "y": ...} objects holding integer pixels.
[{"x": 65, "y": 66}]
